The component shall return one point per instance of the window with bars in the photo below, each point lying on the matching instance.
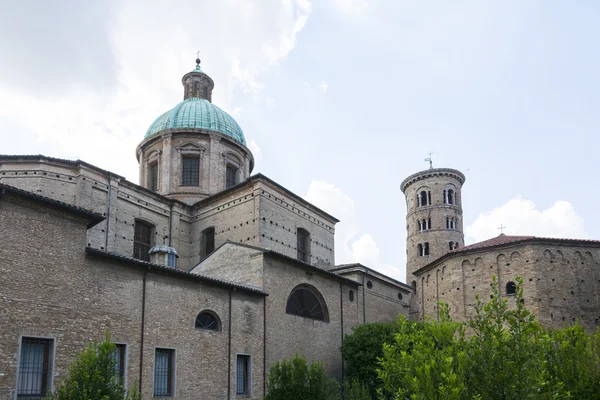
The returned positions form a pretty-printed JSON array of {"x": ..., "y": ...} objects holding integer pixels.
[
  {"x": 164, "y": 372},
  {"x": 242, "y": 385},
  {"x": 303, "y": 245},
  {"x": 230, "y": 176},
  {"x": 191, "y": 171},
  {"x": 153, "y": 176},
  {"x": 142, "y": 240},
  {"x": 120, "y": 357},
  {"x": 35, "y": 368}
]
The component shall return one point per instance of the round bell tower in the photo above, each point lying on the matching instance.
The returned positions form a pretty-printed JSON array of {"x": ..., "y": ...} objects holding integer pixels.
[{"x": 434, "y": 218}]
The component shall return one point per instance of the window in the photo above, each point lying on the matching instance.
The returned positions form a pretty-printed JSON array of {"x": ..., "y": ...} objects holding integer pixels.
[
  {"x": 142, "y": 240},
  {"x": 207, "y": 320},
  {"x": 351, "y": 295},
  {"x": 153, "y": 176},
  {"x": 423, "y": 198},
  {"x": 511, "y": 288},
  {"x": 242, "y": 380},
  {"x": 35, "y": 368},
  {"x": 423, "y": 249},
  {"x": 428, "y": 223},
  {"x": 450, "y": 246},
  {"x": 171, "y": 260},
  {"x": 369, "y": 284},
  {"x": 414, "y": 286},
  {"x": 450, "y": 196},
  {"x": 230, "y": 176},
  {"x": 426, "y": 249},
  {"x": 191, "y": 171},
  {"x": 450, "y": 223},
  {"x": 400, "y": 296},
  {"x": 303, "y": 245},
  {"x": 208, "y": 242},
  {"x": 420, "y": 249},
  {"x": 196, "y": 89},
  {"x": 164, "y": 372},
  {"x": 120, "y": 356},
  {"x": 205, "y": 91},
  {"x": 305, "y": 301}
]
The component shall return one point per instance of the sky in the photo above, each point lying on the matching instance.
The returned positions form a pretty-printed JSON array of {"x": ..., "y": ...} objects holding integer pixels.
[{"x": 339, "y": 100}]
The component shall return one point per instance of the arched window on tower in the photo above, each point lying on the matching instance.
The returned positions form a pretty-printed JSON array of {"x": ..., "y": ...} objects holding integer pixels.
[
  {"x": 420, "y": 225},
  {"x": 450, "y": 196},
  {"x": 450, "y": 246},
  {"x": 429, "y": 197},
  {"x": 306, "y": 301},
  {"x": 428, "y": 223},
  {"x": 196, "y": 89},
  {"x": 303, "y": 247},
  {"x": 420, "y": 250},
  {"x": 426, "y": 249},
  {"x": 207, "y": 244},
  {"x": 423, "y": 198},
  {"x": 205, "y": 92}
]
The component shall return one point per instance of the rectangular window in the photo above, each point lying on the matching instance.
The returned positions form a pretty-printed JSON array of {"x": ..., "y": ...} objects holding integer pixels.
[
  {"x": 142, "y": 240},
  {"x": 164, "y": 373},
  {"x": 120, "y": 356},
  {"x": 191, "y": 171},
  {"x": 35, "y": 368},
  {"x": 230, "y": 176},
  {"x": 303, "y": 245},
  {"x": 243, "y": 375},
  {"x": 153, "y": 177}
]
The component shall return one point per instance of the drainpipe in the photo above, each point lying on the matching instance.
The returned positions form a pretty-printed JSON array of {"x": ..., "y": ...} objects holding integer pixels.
[
  {"x": 364, "y": 307},
  {"x": 107, "y": 210},
  {"x": 264, "y": 346},
  {"x": 229, "y": 352},
  {"x": 342, "y": 324},
  {"x": 142, "y": 329}
]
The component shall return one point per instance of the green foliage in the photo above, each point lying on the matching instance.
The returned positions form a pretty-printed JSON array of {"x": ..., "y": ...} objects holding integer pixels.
[
  {"x": 92, "y": 376},
  {"x": 295, "y": 380},
  {"x": 361, "y": 351},
  {"x": 506, "y": 355},
  {"x": 355, "y": 390}
]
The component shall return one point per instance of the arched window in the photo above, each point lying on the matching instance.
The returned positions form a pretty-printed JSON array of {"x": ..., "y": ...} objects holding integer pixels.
[
  {"x": 306, "y": 301},
  {"x": 303, "y": 245},
  {"x": 207, "y": 244},
  {"x": 423, "y": 198},
  {"x": 369, "y": 284},
  {"x": 420, "y": 225},
  {"x": 400, "y": 296},
  {"x": 511, "y": 288},
  {"x": 420, "y": 249},
  {"x": 450, "y": 196},
  {"x": 208, "y": 320},
  {"x": 426, "y": 249},
  {"x": 205, "y": 92},
  {"x": 196, "y": 89},
  {"x": 351, "y": 295},
  {"x": 428, "y": 223},
  {"x": 414, "y": 286},
  {"x": 450, "y": 246}
]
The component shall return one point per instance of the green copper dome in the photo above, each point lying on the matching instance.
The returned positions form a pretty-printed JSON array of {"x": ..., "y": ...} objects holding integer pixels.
[{"x": 198, "y": 113}]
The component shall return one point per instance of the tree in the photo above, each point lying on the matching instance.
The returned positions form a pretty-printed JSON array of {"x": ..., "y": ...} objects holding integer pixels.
[
  {"x": 505, "y": 355},
  {"x": 295, "y": 380},
  {"x": 362, "y": 349},
  {"x": 92, "y": 376}
]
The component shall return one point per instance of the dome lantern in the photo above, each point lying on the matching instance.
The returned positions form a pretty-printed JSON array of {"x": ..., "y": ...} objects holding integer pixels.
[{"x": 196, "y": 84}]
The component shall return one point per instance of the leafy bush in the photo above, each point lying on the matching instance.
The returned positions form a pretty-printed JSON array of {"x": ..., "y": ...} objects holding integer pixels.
[
  {"x": 295, "y": 380},
  {"x": 361, "y": 351},
  {"x": 506, "y": 355},
  {"x": 92, "y": 376}
]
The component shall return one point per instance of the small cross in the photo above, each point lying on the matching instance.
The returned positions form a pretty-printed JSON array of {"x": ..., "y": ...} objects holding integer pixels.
[
  {"x": 429, "y": 159},
  {"x": 501, "y": 228},
  {"x": 198, "y": 54}
]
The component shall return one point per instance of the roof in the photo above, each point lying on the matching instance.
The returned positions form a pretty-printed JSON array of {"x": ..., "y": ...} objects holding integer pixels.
[
  {"x": 432, "y": 172},
  {"x": 91, "y": 216},
  {"x": 173, "y": 271},
  {"x": 198, "y": 113},
  {"x": 349, "y": 267},
  {"x": 505, "y": 240},
  {"x": 298, "y": 263}
]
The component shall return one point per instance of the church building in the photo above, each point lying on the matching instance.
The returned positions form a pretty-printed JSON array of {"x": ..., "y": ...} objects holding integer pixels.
[{"x": 204, "y": 274}]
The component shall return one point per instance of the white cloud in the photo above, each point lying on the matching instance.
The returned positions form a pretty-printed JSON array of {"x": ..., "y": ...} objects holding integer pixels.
[
  {"x": 521, "y": 217},
  {"x": 349, "y": 246},
  {"x": 324, "y": 87},
  {"x": 153, "y": 45},
  {"x": 351, "y": 7},
  {"x": 256, "y": 152}
]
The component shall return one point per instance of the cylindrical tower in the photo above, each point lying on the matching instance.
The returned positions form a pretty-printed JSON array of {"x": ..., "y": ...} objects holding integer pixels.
[{"x": 434, "y": 216}]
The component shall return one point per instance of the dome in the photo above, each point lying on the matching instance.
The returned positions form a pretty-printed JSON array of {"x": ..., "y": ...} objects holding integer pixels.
[{"x": 198, "y": 113}]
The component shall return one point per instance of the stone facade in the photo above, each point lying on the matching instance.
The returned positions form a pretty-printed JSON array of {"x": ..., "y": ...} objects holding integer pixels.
[{"x": 561, "y": 279}]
